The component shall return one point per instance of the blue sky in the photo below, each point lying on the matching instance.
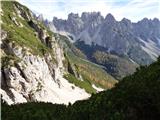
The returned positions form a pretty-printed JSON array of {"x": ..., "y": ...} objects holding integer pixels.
[{"x": 132, "y": 9}]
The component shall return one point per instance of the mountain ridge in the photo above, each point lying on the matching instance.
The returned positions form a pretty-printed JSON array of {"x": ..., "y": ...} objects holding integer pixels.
[
  {"x": 88, "y": 25},
  {"x": 137, "y": 42}
]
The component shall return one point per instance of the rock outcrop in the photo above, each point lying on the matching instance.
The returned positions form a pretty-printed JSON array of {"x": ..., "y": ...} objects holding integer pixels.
[{"x": 36, "y": 78}]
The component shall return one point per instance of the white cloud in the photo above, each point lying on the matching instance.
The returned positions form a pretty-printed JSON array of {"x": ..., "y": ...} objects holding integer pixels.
[{"x": 131, "y": 9}]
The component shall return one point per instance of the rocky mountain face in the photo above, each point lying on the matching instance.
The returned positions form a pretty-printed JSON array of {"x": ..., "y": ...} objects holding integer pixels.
[
  {"x": 138, "y": 43},
  {"x": 35, "y": 66},
  {"x": 122, "y": 37}
]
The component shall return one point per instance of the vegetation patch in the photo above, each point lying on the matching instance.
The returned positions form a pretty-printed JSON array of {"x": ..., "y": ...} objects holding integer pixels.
[
  {"x": 82, "y": 84},
  {"x": 23, "y": 36},
  {"x": 92, "y": 72},
  {"x": 9, "y": 60}
]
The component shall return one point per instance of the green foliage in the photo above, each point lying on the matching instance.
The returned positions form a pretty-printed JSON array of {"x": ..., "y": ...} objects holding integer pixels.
[
  {"x": 92, "y": 72},
  {"x": 19, "y": 36},
  {"x": 9, "y": 60},
  {"x": 82, "y": 84},
  {"x": 23, "y": 36},
  {"x": 33, "y": 111},
  {"x": 136, "y": 97}
]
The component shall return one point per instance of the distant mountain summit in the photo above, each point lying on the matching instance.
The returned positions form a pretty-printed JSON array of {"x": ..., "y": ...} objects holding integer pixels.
[
  {"x": 138, "y": 41},
  {"x": 135, "y": 43}
]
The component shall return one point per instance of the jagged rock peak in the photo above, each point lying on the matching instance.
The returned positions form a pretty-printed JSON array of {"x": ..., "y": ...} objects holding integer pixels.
[
  {"x": 55, "y": 18},
  {"x": 118, "y": 36},
  {"x": 92, "y": 16},
  {"x": 109, "y": 17},
  {"x": 144, "y": 21},
  {"x": 126, "y": 21},
  {"x": 40, "y": 17},
  {"x": 73, "y": 16},
  {"x": 85, "y": 15},
  {"x": 156, "y": 20}
]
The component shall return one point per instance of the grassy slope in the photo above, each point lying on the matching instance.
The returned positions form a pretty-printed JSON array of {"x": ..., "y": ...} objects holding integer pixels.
[
  {"x": 117, "y": 65},
  {"x": 91, "y": 73},
  {"x": 23, "y": 36},
  {"x": 82, "y": 84}
]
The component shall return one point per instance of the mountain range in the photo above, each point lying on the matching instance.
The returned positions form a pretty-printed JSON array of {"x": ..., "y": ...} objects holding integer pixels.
[{"x": 122, "y": 45}]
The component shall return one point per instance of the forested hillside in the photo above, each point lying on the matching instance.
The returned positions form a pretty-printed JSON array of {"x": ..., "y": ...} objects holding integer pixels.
[{"x": 136, "y": 97}]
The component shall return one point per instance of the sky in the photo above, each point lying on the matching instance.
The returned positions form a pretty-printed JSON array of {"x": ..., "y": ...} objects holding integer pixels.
[{"x": 134, "y": 10}]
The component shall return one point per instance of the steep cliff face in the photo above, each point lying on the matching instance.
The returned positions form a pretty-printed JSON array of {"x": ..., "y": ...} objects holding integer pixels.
[
  {"x": 35, "y": 78},
  {"x": 35, "y": 65},
  {"x": 32, "y": 61}
]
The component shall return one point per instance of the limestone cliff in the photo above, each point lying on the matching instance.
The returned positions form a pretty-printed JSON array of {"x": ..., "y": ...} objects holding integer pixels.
[{"x": 28, "y": 74}]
